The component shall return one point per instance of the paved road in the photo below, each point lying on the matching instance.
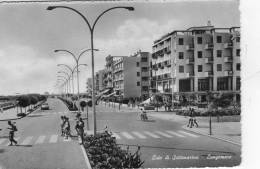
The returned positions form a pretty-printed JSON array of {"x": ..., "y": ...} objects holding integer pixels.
[
  {"x": 160, "y": 139},
  {"x": 40, "y": 145}
]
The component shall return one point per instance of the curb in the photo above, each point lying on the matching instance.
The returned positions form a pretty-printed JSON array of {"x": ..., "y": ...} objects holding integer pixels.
[
  {"x": 85, "y": 157},
  {"x": 20, "y": 117},
  {"x": 219, "y": 138}
]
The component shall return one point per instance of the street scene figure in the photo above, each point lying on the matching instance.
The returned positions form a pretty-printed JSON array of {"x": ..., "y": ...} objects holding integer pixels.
[
  {"x": 143, "y": 115},
  {"x": 67, "y": 127},
  {"x": 80, "y": 129},
  {"x": 12, "y": 129},
  {"x": 62, "y": 122}
]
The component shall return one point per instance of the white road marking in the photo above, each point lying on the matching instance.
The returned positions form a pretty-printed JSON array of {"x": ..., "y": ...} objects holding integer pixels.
[
  {"x": 27, "y": 140},
  {"x": 53, "y": 139},
  {"x": 127, "y": 135},
  {"x": 189, "y": 134},
  {"x": 116, "y": 136},
  {"x": 40, "y": 140},
  {"x": 139, "y": 135},
  {"x": 164, "y": 134},
  {"x": 151, "y": 134},
  {"x": 174, "y": 133}
]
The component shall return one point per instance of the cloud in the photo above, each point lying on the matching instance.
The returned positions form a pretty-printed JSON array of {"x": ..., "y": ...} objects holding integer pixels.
[{"x": 133, "y": 35}]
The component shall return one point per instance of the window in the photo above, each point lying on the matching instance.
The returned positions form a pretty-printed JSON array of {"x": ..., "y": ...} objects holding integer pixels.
[
  {"x": 238, "y": 39},
  {"x": 219, "y": 39},
  {"x": 199, "y": 68},
  {"x": 180, "y": 41},
  {"x": 138, "y": 74},
  {"x": 144, "y": 69},
  {"x": 199, "y": 40},
  {"x": 145, "y": 59},
  {"x": 238, "y": 52},
  {"x": 144, "y": 78},
  {"x": 203, "y": 84},
  {"x": 222, "y": 83},
  {"x": 181, "y": 69},
  {"x": 219, "y": 67},
  {"x": 184, "y": 85},
  {"x": 238, "y": 66},
  {"x": 137, "y": 64},
  {"x": 138, "y": 83},
  {"x": 199, "y": 54},
  {"x": 238, "y": 83},
  {"x": 219, "y": 53},
  {"x": 180, "y": 55},
  {"x": 145, "y": 88}
]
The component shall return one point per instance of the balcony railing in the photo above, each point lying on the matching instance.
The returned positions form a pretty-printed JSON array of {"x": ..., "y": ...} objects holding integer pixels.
[
  {"x": 167, "y": 90},
  {"x": 208, "y": 73},
  {"x": 167, "y": 75},
  {"x": 228, "y": 45},
  {"x": 190, "y": 47},
  {"x": 190, "y": 74},
  {"x": 228, "y": 59},
  {"x": 190, "y": 60},
  {"x": 208, "y": 59},
  {"x": 228, "y": 73},
  {"x": 209, "y": 46}
]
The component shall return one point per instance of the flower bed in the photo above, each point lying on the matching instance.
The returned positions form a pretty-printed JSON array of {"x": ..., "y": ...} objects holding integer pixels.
[{"x": 104, "y": 153}]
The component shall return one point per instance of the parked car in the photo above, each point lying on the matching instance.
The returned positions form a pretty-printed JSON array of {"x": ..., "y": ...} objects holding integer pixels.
[{"x": 45, "y": 106}]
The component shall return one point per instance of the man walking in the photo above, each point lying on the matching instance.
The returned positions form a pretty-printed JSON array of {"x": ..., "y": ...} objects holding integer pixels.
[
  {"x": 80, "y": 129},
  {"x": 12, "y": 129}
]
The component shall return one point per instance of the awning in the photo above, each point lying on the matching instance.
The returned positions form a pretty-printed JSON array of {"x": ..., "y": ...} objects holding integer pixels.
[
  {"x": 109, "y": 95},
  {"x": 147, "y": 101}
]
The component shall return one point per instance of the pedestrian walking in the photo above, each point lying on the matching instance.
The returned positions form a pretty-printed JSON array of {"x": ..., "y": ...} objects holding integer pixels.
[
  {"x": 67, "y": 127},
  {"x": 80, "y": 130},
  {"x": 62, "y": 125},
  {"x": 194, "y": 119},
  {"x": 190, "y": 124},
  {"x": 12, "y": 128}
]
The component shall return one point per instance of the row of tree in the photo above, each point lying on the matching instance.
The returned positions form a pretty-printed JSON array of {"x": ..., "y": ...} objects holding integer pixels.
[{"x": 29, "y": 101}]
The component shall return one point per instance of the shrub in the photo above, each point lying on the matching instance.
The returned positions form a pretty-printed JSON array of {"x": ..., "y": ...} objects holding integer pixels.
[{"x": 103, "y": 152}]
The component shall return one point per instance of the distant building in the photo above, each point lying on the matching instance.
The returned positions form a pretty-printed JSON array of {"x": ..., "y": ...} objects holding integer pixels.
[
  {"x": 131, "y": 75},
  {"x": 100, "y": 80},
  {"x": 197, "y": 60},
  {"x": 89, "y": 85}
]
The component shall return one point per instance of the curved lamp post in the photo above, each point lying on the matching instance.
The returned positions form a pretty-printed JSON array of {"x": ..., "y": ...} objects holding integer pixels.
[
  {"x": 77, "y": 61},
  {"x": 64, "y": 83},
  {"x": 68, "y": 77},
  {"x": 91, "y": 29}
]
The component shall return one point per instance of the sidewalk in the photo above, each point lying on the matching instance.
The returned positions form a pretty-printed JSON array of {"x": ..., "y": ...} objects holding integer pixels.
[
  {"x": 229, "y": 130},
  {"x": 10, "y": 114}
]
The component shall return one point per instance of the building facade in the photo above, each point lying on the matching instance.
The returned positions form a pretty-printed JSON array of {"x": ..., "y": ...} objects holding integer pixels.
[
  {"x": 197, "y": 60},
  {"x": 131, "y": 75}
]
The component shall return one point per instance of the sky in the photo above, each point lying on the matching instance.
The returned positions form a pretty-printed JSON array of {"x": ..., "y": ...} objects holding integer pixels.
[{"x": 29, "y": 34}]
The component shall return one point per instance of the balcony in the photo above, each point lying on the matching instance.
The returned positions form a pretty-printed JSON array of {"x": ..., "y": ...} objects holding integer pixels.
[
  {"x": 228, "y": 45},
  {"x": 209, "y": 46},
  {"x": 155, "y": 67},
  {"x": 208, "y": 73},
  {"x": 159, "y": 77},
  {"x": 228, "y": 73},
  {"x": 228, "y": 59},
  {"x": 145, "y": 83},
  {"x": 167, "y": 90},
  {"x": 161, "y": 65},
  {"x": 190, "y": 47},
  {"x": 190, "y": 60},
  {"x": 167, "y": 63},
  {"x": 154, "y": 56},
  {"x": 145, "y": 74},
  {"x": 154, "y": 78},
  {"x": 209, "y": 60},
  {"x": 167, "y": 76},
  {"x": 190, "y": 74}
]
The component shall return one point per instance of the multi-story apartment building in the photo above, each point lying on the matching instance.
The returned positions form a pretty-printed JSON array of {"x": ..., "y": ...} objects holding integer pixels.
[
  {"x": 197, "y": 60},
  {"x": 131, "y": 75},
  {"x": 100, "y": 80},
  {"x": 108, "y": 75},
  {"x": 89, "y": 85}
]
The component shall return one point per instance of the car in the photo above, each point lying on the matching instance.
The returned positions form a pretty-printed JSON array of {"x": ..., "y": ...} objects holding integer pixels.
[{"x": 45, "y": 106}]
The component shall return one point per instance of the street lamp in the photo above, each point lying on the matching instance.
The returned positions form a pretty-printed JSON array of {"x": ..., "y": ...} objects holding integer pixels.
[
  {"x": 77, "y": 61},
  {"x": 91, "y": 29},
  {"x": 64, "y": 83},
  {"x": 65, "y": 73},
  {"x": 72, "y": 72}
]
